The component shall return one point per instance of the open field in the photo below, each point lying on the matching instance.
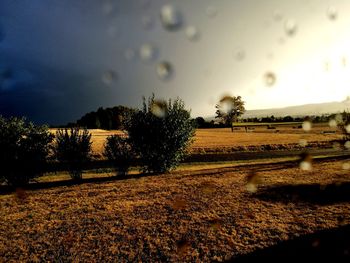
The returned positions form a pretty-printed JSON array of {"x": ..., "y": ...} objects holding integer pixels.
[
  {"x": 222, "y": 139},
  {"x": 197, "y": 215}
]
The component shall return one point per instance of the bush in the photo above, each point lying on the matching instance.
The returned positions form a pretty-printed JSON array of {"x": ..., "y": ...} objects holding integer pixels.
[
  {"x": 118, "y": 150},
  {"x": 344, "y": 125},
  {"x": 73, "y": 148},
  {"x": 24, "y": 148},
  {"x": 160, "y": 134}
]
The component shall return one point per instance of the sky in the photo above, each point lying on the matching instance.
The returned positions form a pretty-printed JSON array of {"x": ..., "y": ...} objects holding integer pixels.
[{"x": 60, "y": 59}]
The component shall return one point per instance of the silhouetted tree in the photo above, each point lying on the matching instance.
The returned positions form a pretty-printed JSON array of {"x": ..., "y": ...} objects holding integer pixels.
[
  {"x": 24, "y": 148},
  {"x": 229, "y": 109}
]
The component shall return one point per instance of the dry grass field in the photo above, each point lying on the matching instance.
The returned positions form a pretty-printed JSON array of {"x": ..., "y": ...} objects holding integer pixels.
[
  {"x": 190, "y": 216},
  {"x": 222, "y": 139}
]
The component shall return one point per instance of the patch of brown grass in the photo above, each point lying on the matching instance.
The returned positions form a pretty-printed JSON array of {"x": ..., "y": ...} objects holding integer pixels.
[{"x": 186, "y": 216}]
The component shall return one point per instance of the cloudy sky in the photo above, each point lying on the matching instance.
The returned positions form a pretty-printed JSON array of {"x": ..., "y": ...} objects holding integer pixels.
[{"x": 61, "y": 58}]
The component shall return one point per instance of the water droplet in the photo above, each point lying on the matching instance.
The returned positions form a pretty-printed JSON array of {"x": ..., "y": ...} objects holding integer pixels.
[
  {"x": 307, "y": 125},
  {"x": 277, "y": 16},
  {"x": 339, "y": 118},
  {"x": 332, "y": 13},
  {"x": 129, "y": 54},
  {"x": 159, "y": 108},
  {"x": 344, "y": 61},
  {"x": 290, "y": 27},
  {"x": 171, "y": 18},
  {"x": 332, "y": 123},
  {"x": 147, "y": 22},
  {"x": 148, "y": 52},
  {"x": 347, "y": 145},
  {"x": 253, "y": 180},
  {"x": 109, "y": 77},
  {"x": 239, "y": 54},
  {"x": 192, "y": 33},
  {"x": 251, "y": 188},
  {"x": 281, "y": 41},
  {"x": 336, "y": 146},
  {"x": 305, "y": 166},
  {"x": 108, "y": 8},
  {"x": 302, "y": 142},
  {"x": 347, "y": 128},
  {"x": 346, "y": 166},
  {"x": 211, "y": 11},
  {"x": 305, "y": 161},
  {"x": 164, "y": 70},
  {"x": 270, "y": 79}
]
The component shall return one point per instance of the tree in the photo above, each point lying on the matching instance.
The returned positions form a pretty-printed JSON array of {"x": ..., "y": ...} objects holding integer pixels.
[
  {"x": 344, "y": 125},
  {"x": 229, "y": 109},
  {"x": 24, "y": 148},
  {"x": 73, "y": 148},
  {"x": 118, "y": 150},
  {"x": 160, "y": 134}
]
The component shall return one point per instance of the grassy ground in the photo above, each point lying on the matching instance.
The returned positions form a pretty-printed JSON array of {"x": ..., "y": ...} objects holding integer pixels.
[{"x": 190, "y": 215}]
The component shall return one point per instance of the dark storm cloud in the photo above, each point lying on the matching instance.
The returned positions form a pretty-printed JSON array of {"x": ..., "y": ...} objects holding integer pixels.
[{"x": 54, "y": 54}]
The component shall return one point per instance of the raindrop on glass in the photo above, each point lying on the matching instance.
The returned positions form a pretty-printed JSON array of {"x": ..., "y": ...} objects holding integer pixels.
[
  {"x": 344, "y": 61},
  {"x": 148, "y": 52},
  {"x": 332, "y": 13},
  {"x": 147, "y": 22},
  {"x": 332, "y": 123},
  {"x": 171, "y": 18},
  {"x": 192, "y": 33},
  {"x": 307, "y": 126},
  {"x": 339, "y": 118},
  {"x": 239, "y": 54},
  {"x": 305, "y": 166},
  {"x": 347, "y": 145},
  {"x": 270, "y": 79},
  {"x": 277, "y": 16},
  {"x": 108, "y": 8},
  {"x": 302, "y": 142},
  {"x": 347, "y": 128},
  {"x": 211, "y": 11},
  {"x": 290, "y": 27},
  {"x": 129, "y": 54},
  {"x": 159, "y": 108},
  {"x": 164, "y": 70},
  {"x": 109, "y": 77},
  {"x": 346, "y": 166}
]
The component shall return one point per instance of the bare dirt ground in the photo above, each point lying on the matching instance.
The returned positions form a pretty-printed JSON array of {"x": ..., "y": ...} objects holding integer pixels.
[{"x": 190, "y": 216}]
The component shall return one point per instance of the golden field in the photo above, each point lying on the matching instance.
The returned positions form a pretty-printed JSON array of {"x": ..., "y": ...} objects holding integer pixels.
[
  {"x": 187, "y": 216},
  {"x": 218, "y": 140}
]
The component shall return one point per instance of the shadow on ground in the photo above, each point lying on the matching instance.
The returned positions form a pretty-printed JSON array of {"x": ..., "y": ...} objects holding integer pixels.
[
  {"x": 331, "y": 245},
  {"x": 310, "y": 193}
]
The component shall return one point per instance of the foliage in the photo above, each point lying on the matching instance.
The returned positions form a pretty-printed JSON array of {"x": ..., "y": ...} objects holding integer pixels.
[
  {"x": 118, "y": 150},
  {"x": 24, "y": 148},
  {"x": 73, "y": 148},
  {"x": 108, "y": 119},
  {"x": 229, "y": 109},
  {"x": 344, "y": 125},
  {"x": 160, "y": 134}
]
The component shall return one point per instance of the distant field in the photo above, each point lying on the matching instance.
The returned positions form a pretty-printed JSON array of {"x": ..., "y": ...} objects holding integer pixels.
[
  {"x": 187, "y": 216},
  {"x": 221, "y": 139}
]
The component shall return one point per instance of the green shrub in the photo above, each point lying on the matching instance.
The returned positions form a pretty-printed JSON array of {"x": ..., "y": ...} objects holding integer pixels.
[
  {"x": 73, "y": 148},
  {"x": 24, "y": 148},
  {"x": 344, "y": 126},
  {"x": 160, "y": 134},
  {"x": 118, "y": 150}
]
